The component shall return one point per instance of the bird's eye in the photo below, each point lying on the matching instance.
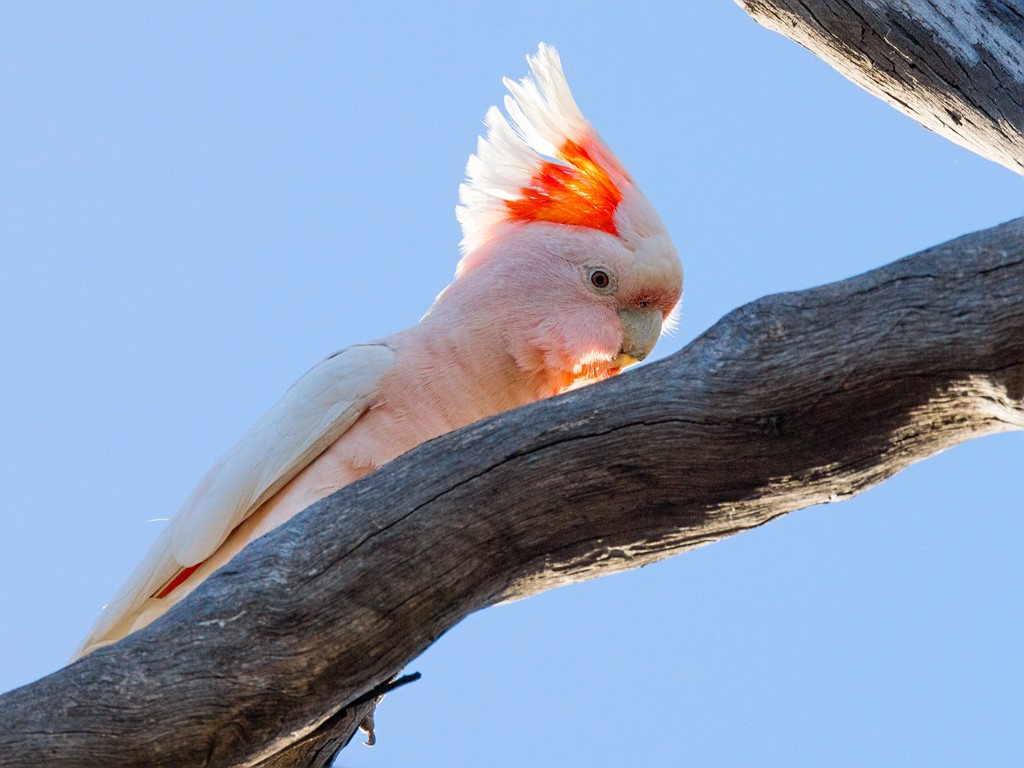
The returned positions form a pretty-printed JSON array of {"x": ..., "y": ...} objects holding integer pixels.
[{"x": 602, "y": 280}]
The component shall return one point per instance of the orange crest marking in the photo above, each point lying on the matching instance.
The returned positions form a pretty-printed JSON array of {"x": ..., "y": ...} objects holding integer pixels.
[{"x": 580, "y": 193}]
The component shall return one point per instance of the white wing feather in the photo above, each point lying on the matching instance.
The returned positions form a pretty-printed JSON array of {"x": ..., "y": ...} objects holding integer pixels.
[{"x": 312, "y": 415}]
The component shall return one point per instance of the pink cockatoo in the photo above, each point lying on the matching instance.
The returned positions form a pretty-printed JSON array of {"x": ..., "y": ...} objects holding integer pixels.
[{"x": 567, "y": 276}]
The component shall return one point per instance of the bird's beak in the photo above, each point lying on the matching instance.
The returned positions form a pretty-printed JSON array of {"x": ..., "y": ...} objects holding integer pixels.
[{"x": 640, "y": 330}]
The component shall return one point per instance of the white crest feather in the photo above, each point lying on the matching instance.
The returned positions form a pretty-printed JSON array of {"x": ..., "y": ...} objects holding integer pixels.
[{"x": 542, "y": 116}]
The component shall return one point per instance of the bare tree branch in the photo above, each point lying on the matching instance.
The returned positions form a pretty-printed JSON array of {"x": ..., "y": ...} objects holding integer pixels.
[
  {"x": 796, "y": 399},
  {"x": 793, "y": 400},
  {"x": 955, "y": 66}
]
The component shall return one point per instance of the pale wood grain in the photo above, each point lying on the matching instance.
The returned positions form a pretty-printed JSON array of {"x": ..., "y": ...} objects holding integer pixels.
[{"x": 955, "y": 66}]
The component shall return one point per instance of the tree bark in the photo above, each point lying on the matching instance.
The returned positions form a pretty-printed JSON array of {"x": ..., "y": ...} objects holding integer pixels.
[
  {"x": 793, "y": 400},
  {"x": 955, "y": 66}
]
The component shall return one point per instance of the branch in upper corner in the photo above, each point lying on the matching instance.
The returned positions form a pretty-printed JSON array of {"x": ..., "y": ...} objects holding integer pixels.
[
  {"x": 954, "y": 66},
  {"x": 795, "y": 399}
]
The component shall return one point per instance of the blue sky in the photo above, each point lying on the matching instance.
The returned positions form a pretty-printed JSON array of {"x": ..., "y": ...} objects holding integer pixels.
[{"x": 198, "y": 202}]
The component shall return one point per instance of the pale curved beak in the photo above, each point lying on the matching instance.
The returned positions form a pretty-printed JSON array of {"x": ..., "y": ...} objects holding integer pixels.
[{"x": 640, "y": 331}]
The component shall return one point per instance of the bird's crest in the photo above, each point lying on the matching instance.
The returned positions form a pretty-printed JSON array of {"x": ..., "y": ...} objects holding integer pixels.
[{"x": 542, "y": 163}]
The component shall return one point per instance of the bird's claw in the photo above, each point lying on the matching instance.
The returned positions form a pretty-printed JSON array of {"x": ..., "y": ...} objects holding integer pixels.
[{"x": 367, "y": 727}]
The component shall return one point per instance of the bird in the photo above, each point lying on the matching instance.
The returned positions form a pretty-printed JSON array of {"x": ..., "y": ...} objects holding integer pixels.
[{"x": 566, "y": 276}]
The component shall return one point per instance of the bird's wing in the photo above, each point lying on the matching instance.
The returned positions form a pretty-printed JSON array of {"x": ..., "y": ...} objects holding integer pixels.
[
  {"x": 317, "y": 410},
  {"x": 312, "y": 415}
]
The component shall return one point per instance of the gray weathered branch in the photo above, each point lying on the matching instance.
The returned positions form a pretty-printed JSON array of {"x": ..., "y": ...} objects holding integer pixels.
[
  {"x": 955, "y": 66},
  {"x": 793, "y": 400}
]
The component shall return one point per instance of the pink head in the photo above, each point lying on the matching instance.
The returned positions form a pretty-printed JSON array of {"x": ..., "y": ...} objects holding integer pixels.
[{"x": 570, "y": 258}]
